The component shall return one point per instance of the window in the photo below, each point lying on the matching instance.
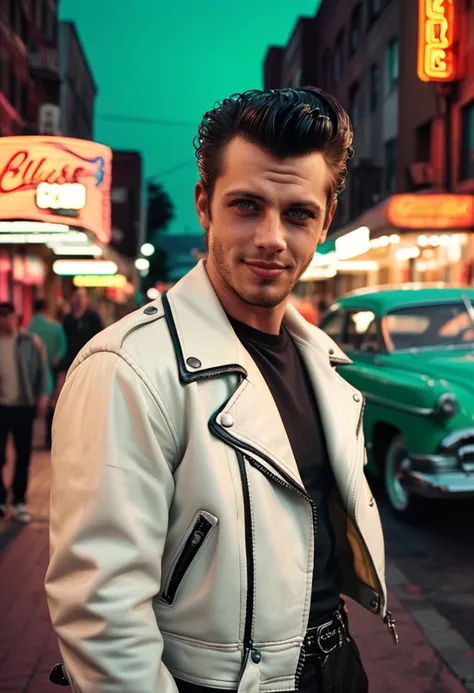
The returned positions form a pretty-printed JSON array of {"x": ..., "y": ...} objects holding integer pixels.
[
  {"x": 375, "y": 8},
  {"x": 429, "y": 326},
  {"x": 24, "y": 101},
  {"x": 326, "y": 70},
  {"x": 423, "y": 142},
  {"x": 354, "y": 105},
  {"x": 357, "y": 335},
  {"x": 467, "y": 142},
  {"x": 12, "y": 85},
  {"x": 337, "y": 59},
  {"x": 392, "y": 66},
  {"x": 39, "y": 13},
  {"x": 119, "y": 194},
  {"x": 356, "y": 22},
  {"x": 374, "y": 87},
  {"x": 390, "y": 166},
  {"x": 333, "y": 324}
]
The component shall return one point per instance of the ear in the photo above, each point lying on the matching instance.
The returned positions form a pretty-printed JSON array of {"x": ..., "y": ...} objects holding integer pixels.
[{"x": 202, "y": 205}]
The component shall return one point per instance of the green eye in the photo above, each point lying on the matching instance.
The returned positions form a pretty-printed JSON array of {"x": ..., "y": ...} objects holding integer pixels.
[
  {"x": 245, "y": 204},
  {"x": 300, "y": 214}
]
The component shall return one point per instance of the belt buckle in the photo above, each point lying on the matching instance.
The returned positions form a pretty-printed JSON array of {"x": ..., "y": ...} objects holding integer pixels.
[{"x": 321, "y": 636}]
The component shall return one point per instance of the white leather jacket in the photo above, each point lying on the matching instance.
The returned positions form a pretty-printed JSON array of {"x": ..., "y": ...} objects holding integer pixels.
[{"x": 181, "y": 534}]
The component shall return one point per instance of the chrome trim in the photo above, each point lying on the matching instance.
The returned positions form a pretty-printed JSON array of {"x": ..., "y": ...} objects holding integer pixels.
[
  {"x": 455, "y": 439},
  {"x": 382, "y": 401},
  {"x": 444, "y": 484}
]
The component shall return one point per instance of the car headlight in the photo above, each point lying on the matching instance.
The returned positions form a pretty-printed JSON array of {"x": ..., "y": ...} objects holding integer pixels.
[{"x": 447, "y": 405}]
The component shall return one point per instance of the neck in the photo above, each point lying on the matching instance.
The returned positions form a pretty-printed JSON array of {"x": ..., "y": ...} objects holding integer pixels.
[
  {"x": 78, "y": 313},
  {"x": 264, "y": 319}
]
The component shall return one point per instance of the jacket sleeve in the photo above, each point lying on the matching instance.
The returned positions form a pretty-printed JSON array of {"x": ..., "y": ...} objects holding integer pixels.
[{"x": 112, "y": 486}]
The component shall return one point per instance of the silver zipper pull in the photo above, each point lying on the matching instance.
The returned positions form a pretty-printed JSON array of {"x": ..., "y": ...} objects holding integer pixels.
[{"x": 391, "y": 625}]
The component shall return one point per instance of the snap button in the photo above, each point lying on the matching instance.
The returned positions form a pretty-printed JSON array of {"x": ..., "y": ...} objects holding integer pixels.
[
  {"x": 374, "y": 604},
  {"x": 256, "y": 656},
  {"x": 150, "y": 310},
  {"x": 193, "y": 362},
  {"x": 356, "y": 398},
  {"x": 227, "y": 420}
]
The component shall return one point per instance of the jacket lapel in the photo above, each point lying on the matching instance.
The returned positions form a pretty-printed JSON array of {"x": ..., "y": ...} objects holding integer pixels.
[{"x": 206, "y": 346}]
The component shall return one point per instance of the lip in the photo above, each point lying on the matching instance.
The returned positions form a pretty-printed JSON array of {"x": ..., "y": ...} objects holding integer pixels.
[{"x": 266, "y": 270}]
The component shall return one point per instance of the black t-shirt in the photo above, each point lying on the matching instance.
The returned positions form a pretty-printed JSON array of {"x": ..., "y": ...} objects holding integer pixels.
[
  {"x": 79, "y": 331},
  {"x": 285, "y": 374}
]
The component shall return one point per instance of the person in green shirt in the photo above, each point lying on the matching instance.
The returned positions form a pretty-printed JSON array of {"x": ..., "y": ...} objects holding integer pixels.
[{"x": 53, "y": 337}]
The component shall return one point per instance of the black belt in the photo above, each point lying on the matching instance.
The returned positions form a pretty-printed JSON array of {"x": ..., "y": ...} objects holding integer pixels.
[{"x": 322, "y": 639}]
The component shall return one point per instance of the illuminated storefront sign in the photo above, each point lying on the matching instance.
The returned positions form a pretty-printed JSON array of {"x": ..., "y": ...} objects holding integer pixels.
[
  {"x": 69, "y": 268},
  {"x": 117, "y": 281},
  {"x": 56, "y": 179},
  {"x": 443, "y": 211},
  {"x": 437, "y": 60},
  {"x": 61, "y": 196},
  {"x": 353, "y": 243}
]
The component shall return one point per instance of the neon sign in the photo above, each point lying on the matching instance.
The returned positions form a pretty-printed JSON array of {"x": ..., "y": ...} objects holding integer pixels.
[
  {"x": 437, "y": 60},
  {"x": 433, "y": 211},
  {"x": 65, "y": 196},
  {"x": 48, "y": 179}
]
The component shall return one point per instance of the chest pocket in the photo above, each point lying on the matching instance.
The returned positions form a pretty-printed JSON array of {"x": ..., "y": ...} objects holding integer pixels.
[{"x": 190, "y": 548}]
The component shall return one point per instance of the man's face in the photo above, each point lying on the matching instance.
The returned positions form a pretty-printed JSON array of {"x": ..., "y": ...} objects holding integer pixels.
[
  {"x": 267, "y": 218},
  {"x": 8, "y": 323},
  {"x": 79, "y": 300}
]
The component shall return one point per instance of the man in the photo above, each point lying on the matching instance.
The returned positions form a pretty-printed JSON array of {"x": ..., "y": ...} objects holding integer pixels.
[
  {"x": 209, "y": 504},
  {"x": 53, "y": 337},
  {"x": 23, "y": 394},
  {"x": 80, "y": 325}
]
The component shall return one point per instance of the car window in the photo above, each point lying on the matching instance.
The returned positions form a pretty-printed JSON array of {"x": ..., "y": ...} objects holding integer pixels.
[
  {"x": 428, "y": 326},
  {"x": 333, "y": 323},
  {"x": 356, "y": 334}
]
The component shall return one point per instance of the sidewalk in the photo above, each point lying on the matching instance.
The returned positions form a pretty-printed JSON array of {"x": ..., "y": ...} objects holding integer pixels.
[{"x": 28, "y": 646}]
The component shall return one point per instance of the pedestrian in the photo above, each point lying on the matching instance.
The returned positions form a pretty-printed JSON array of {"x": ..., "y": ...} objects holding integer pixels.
[
  {"x": 53, "y": 337},
  {"x": 209, "y": 503},
  {"x": 80, "y": 325},
  {"x": 23, "y": 396}
]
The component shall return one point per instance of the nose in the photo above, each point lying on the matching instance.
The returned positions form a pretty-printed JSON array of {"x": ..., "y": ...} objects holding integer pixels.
[{"x": 270, "y": 234}]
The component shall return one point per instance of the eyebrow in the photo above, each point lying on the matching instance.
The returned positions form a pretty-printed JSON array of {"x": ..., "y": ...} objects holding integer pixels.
[{"x": 254, "y": 196}]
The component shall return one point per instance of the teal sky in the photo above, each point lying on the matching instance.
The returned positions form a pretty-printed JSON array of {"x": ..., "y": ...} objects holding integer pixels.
[{"x": 171, "y": 61}]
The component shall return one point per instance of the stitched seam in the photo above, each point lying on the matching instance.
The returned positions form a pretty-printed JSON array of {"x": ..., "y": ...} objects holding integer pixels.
[
  {"x": 130, "y": 361},
  {"x": 202, "y": 644}
]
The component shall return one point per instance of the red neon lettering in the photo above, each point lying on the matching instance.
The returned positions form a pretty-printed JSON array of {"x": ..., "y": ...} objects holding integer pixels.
[{"x": 22, "y": 172}]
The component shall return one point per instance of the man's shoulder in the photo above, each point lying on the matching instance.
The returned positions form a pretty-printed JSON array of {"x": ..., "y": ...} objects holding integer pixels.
[{"x": 140, "y": 336}]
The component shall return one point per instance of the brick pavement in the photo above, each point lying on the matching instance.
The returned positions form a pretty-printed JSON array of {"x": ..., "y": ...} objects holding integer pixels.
[{"x": 28, "y": 646}]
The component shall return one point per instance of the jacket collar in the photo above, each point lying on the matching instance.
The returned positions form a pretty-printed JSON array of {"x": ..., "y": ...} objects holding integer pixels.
[{"x": 204, "y": 340}]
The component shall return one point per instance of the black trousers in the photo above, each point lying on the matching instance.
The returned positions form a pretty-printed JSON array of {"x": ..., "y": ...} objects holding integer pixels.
[
  {"x": 342, "y": 672},
  {"x": 17, "y": 421}
]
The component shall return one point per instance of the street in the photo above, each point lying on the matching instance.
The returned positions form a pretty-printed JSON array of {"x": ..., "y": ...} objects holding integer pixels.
[{"x": 431, "y": 591}]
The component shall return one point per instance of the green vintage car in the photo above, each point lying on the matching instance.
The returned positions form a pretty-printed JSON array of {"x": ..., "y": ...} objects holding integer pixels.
[{"x": 412, "y": 352}]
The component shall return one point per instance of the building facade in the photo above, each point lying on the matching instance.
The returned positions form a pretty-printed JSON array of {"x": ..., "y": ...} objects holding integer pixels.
[
  {"x": 365, "y": 53},
  {"x": 29, "y": 63},
  {"x": 127, "y": 206},
  {"x": 78, "y": 88}
]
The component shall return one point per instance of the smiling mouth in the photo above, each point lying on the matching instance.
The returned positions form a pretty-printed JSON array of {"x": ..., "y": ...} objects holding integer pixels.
[{"x": 266, "y": 270}]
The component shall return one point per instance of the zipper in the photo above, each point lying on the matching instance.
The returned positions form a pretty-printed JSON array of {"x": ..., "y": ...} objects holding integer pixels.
[
  {"x": 250, "y": 557},
  {"x": 290, "y": 486},
  {"x": 361, "y": 417},
  {"x": 194, "y": 542}
]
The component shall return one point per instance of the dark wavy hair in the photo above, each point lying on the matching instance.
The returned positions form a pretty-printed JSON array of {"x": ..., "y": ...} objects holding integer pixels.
[{"x": 285, "y": 122}]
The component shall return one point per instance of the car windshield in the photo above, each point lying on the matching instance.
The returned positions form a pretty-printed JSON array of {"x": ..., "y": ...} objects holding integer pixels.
[{"x": 440, "y": 325}]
